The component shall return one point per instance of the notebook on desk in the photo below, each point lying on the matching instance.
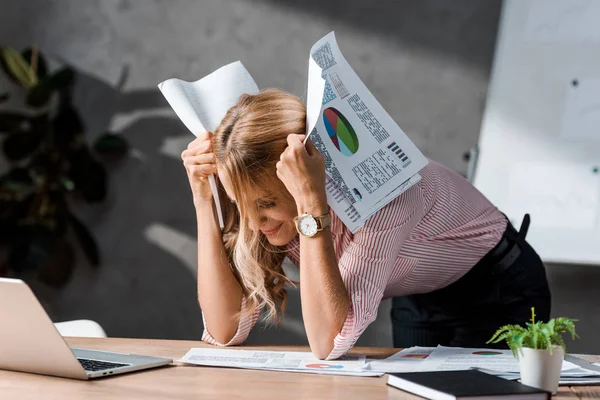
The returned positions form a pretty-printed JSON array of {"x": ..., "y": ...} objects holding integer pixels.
[{"x": 470, "y": 384}]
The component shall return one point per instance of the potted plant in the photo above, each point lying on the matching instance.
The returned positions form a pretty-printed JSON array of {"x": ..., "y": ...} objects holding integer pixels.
[
  {"x": 540, "y": 349},
  {"x": 50, "y": 165}
]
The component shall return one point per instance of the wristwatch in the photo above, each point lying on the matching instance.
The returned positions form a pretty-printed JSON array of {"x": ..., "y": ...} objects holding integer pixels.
[{"x": 309, "y": 225}]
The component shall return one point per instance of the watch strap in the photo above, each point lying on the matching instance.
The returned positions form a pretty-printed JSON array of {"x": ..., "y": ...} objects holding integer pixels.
[{"x": 323, "y": 221}]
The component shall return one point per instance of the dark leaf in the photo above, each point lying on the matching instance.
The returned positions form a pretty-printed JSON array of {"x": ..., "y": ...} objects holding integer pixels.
[
  {"x": 18, "y": 174},
  {"x": 62, "y": 79},
  {"x": 19, "y": 182},
  {"x": 12, "y": 208},
  {"x": 20, "y": 190},
  {"x": 52, "y": 213},
  {"x": 12, "y": 122},
  {"x": 31, "y": 248},
  {"x": 86, "y": 241},
  {"x": 88, "y": 175},
  {"x": 42, "y": 166},
  {"x": 94, "y": 186},
  {"x": 57, "y": 271},
  {"x": 4, "y": 97},
  {"x": 17, "y": 147},
  {"x": 40, "y": 125},
  {"x": 39, "y": 95},
  {"x": 68, "y": 128},
  {"x": 7, "y": 222},
  {"x": 79, "y": 157},
  {"x": 41, "y": 69},
  {"x": 111, "y": 145},
  {"x": 60, "y": 218},
  {"x": 12, "y": 211},
  {"x": 66, "y": 183},
  {"x": 17, "y": 69}
]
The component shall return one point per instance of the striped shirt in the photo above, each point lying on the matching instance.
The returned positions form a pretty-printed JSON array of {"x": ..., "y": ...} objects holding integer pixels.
[{"x": 425, "y": 239}]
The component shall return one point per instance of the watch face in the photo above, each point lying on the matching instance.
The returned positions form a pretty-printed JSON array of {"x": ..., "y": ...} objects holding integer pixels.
[{"x": 307, "y": 225}]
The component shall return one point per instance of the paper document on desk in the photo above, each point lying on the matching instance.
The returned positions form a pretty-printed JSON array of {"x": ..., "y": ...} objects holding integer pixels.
[
  {"x": 368, "y": 158},
  {"x": 289, "y": 361},
  {"x": 488, "y": 360},
  {"x": 406, "y": 360},
  {"x": 458, "y": 358},
  {"x": 500, "y": 363}
]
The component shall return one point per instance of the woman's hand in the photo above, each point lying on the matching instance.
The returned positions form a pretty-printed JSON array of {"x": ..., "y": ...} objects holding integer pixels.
[
  {"x": 301, "y": 168},
  {"x": 199, "y": 162}
]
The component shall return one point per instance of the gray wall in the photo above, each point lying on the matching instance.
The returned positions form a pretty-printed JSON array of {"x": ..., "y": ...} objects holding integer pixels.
[{"x": 428, "y": 63}]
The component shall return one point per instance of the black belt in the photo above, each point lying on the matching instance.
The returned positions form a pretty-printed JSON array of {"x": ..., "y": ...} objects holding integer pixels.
[{"x": 509, "y": 247}]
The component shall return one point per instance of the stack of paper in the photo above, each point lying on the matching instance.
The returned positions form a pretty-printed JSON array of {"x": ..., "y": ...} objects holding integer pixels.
[
  {"x": 501, "y": 363},
  {"x": 289, "y": 361},
  {"x": 369, "y": 160}
]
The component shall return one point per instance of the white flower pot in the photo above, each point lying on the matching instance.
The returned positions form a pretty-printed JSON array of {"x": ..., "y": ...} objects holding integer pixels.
[{"x": 540, "y": 369}]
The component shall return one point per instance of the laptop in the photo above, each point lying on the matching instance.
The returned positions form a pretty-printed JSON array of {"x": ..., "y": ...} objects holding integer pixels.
[{"x": 29, "y": 342}]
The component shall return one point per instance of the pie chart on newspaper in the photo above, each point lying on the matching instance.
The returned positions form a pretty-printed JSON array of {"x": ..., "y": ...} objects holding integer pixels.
[{"x": 340, "y": 131}]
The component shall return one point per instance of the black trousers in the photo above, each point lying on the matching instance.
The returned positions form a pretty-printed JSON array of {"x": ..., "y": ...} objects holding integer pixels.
[{"x": 469, "y": 311}]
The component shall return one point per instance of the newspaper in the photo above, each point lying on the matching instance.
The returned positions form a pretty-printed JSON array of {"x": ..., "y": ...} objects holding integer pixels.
[
  {"x": 369, "y": 160},
  {"x": 201, "y": 105},
  {"x": 288, "y": 361}
]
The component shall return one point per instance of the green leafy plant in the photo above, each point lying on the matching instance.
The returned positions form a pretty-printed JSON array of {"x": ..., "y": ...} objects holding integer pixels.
[
  {"x": 50, "y": 165},
  {"x": 535, "y": 335}
]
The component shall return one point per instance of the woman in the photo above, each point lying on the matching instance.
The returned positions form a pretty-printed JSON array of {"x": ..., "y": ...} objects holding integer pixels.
[{"x": 456, "y": 268}]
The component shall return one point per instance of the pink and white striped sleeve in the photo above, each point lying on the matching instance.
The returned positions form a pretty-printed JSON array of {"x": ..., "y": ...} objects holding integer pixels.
[
  {"x": 368, "y": 261},
  {"x": 244, "y": 327}
]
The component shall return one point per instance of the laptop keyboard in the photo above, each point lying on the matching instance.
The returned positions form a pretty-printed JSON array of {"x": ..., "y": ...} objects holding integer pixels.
[{"x": 95, "y": 365}]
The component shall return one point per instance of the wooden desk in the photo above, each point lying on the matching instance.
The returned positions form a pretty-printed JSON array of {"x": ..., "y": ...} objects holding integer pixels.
[{"x": 181, "y": 381}]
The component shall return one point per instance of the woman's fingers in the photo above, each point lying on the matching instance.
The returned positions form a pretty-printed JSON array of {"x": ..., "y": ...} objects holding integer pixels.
[
  {"x": 202, "y": 147},
  {"x": 198, "y": 158},
  {"x": 194, "y": 143},
  {"x": 206, "y": 135},
  {"x": 202, "y": 171},
  {"x": 311, "y": 149},
  {"x": 206, "y": 158},
  {"x": 201, "y": 138},
  {"x": 296, "y": 141}
]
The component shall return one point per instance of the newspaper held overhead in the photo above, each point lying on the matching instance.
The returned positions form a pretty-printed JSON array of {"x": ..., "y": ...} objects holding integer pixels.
[
  {"x": 368, "y": 157},
  {"x": 201, "y": 105},
  {"x": 369, "y": 160}
]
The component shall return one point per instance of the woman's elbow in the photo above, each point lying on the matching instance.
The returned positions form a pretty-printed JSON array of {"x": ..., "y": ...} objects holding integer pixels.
[
  {"x": 321, "y": 349},
  {"x": 223, "y": 338},
  {"x": 220, "y": 334}
]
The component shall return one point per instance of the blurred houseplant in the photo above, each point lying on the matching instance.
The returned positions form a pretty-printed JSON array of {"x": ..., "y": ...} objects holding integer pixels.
[{"x": 50, "y": 164}]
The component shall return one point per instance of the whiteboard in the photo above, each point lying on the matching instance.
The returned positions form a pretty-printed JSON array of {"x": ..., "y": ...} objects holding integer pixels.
[{"x": 539, "y": 145}]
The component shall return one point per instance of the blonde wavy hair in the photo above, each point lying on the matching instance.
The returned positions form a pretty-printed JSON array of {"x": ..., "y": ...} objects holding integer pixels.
[{"x": 247, "y": 145}]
